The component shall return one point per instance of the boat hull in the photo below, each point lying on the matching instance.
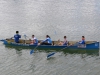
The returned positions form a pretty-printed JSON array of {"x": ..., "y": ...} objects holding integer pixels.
[
  {"x": 89, "y": 49},
  {"x": 52, "y": 47}
]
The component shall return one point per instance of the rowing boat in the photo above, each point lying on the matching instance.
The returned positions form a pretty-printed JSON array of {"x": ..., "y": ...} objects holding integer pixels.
[{"x": 25, "y": 44}]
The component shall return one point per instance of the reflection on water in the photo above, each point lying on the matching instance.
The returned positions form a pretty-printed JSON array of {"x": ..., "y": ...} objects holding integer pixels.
[
  {"x": 88, "y": 52},
  {"x": 63, "y": 62},
  {"x": 19, "y": 52},
  {"x": 65, "y": 51}
]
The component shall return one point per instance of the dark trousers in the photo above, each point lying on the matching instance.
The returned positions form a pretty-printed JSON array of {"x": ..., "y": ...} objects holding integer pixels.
[
  {"x": 17, "y": 42},
  {"x": 45, "y": 43}
]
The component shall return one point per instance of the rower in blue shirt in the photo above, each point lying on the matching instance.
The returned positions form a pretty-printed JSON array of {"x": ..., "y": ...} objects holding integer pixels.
[
  {"x": 80, "y": 43},
  {"x": 47, "y": 41},
  {"x": 83, "y": 40},
  {"x": 17, "y": 36}
]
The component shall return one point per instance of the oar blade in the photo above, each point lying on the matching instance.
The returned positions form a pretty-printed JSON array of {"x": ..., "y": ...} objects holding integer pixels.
[
  {"x": 32, "y": 51},
  {"x": 51, "y": 54},
  {"x": 2, "y": 40},
  {"x": 24, "y": 35}
]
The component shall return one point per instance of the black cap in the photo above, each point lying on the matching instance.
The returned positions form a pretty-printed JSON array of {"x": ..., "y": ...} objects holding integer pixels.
[
  {"x": 65, "y": 37},
  {"x": 17, "y": 31},
  {"x": 83, "y": 37},
  {"x": 32, "y": 35}
]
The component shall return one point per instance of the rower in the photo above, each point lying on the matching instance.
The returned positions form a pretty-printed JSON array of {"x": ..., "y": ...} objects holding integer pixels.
[
  {"x": 17, "y": 36},
  {"x": 65, "y": 42},
  {"x": 47, "y": 41},
  {"x": 83, "y": 40},
  {"x": 34, "y": 41}
]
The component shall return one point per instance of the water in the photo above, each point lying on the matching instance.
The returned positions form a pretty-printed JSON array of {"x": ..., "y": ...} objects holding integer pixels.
[{"x": 72, "y": 18}]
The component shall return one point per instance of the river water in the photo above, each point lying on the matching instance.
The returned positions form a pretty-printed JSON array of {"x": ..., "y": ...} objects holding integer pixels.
[{"x": 57, "y": 18}]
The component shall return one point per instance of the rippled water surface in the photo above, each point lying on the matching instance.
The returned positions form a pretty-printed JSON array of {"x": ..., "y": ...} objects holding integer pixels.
[{"x": 57, "y": 18}]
